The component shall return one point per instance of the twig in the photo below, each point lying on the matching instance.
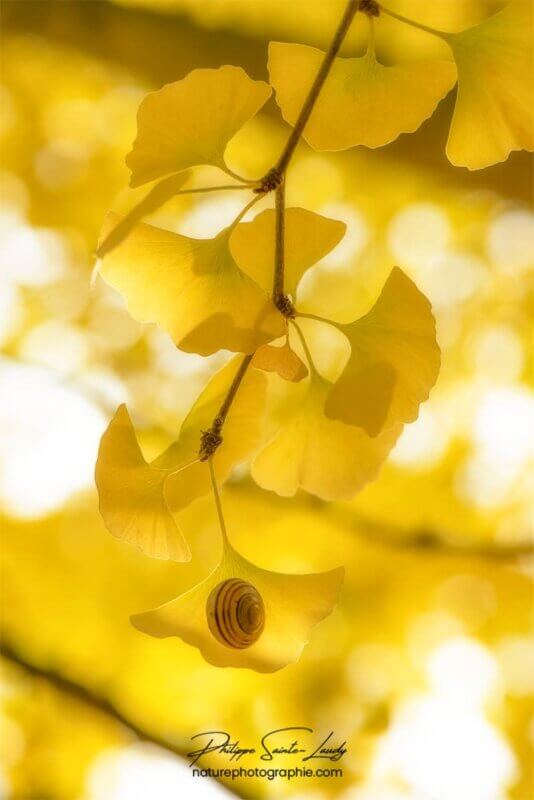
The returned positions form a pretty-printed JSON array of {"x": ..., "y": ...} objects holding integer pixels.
[
  {"x": 317, "y": 85},
  {"x": 228, "y": 400},
  {"x": 212, "y": 438},
  {"x": 274, "y": 180}
]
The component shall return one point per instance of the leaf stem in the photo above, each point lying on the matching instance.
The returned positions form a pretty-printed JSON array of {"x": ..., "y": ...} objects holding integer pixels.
[
  {"x": 225, "y": 188},
  {"x": 414, "y": 24},
  {"x": 318, "y": 319},
  {"x": 218, "y": 504},
  {"x": 305, "y": 347},
  {"x": 233, "y": 174},
  {"x": 157, "y": 197},
  {"x": 279, "y": 261},
  {"x": 243, "y": 211},
  {"x": 317, "y": 85}
]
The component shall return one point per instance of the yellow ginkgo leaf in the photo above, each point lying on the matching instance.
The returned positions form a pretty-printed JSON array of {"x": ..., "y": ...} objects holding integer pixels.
[
  {"x": 245, "y": 616},
  {"x": 137, "y": 498},
  {"x": 323, "y": 456},
  {"x": 494, "y": 112},
  {"x": 394, "y": 360},
  {"x": 155, "y": 198},
  {"x": 190, "y": 122},
  {"x": 282, "y": 360},
  {"x": 362, "y": 101},
  {"x": 131, "y": 495},
  {"x": 192, "y": 288},
  {"x": 308, "y": 238}
]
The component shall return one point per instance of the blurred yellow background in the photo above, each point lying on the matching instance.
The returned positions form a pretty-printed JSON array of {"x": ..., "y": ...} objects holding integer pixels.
[{"x": 426, "y": 667}]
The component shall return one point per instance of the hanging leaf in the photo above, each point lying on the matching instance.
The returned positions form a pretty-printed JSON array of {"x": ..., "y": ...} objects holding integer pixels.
[
  {"x": 137, "y": 498},
  {"x": 394, "y": 360},
  {"x": 190, "y": 122},
  {"x": 192, "y": 288},
  {"x": 362, "y": 101},
  {"x": 494, "y": 112},
  {"x": 308, "y": 238},
  {"x": 282, "y": 360},
  {"x": 323, "y": 456},
  {"x": 278, "y": 611}
]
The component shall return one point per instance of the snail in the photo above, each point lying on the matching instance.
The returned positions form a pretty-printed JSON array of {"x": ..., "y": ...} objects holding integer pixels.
[{"x": 236, "y": 614}]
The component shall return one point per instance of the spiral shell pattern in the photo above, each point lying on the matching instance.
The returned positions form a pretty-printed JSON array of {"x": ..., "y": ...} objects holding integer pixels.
[{"x": 236, "y": 614}]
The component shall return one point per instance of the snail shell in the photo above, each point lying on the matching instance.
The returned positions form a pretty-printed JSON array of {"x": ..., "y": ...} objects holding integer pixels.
[{"x": 236, "y": 614}]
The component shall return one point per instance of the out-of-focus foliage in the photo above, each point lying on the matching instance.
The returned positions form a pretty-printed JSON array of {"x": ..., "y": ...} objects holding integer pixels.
[{"x": 425, "y": 666}]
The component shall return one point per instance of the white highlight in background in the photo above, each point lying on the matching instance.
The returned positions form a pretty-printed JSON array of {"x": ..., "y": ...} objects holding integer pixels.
[{"x": 143, "y": 771}]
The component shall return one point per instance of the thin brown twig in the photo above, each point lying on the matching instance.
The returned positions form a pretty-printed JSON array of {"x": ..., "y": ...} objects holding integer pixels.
[
  {"x": 317, "y": 85},
  {"x": 274, "y": 180},
  {"x": 276, "y": 175},
  {"x": 228, "y": 400},
  {"x": 211, "y": 439}
]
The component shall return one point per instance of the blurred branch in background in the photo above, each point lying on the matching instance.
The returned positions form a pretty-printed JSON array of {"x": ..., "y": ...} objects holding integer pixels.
[
  {"x": 425, "y": 539},
  {"x": 81, "y": 693}
]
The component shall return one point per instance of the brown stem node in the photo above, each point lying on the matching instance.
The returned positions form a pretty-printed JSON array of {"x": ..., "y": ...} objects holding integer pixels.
[
  {"x": 269, "y": 182},
  {"x": 369, "y": 7},
  {"x": 211, "y": 440},
  {"x": 285, "y": 306}
]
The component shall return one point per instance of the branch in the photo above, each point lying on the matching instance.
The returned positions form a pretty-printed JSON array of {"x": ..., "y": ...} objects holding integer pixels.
[
  {"x": 274, "y": 180},
  {"x": 211, "y": 439},
  {"x": 80, "y": 693},
  {"x": 317, "y": 85},
  {"x": 424, "y": 539}
]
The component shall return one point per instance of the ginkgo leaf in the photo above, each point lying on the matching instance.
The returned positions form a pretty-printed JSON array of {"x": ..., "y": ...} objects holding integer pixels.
[
  {"x": 394, "y": 360},
  {"x": 156, "y": 197},
  {"x": 137, "y": 498},
  {"x": 132, "y": 501},
  {"x": 494, "y": 112},
  {"x": 190, "y": 122},
  {"x": 362, "y": 101},
  {"x": 192, "y": 288},
  {"x": 308, "y": 238},
  {"x": 323, "y": 456},
  {"x": 287, "y": 609},
  {"x": 282, "y": 360}
]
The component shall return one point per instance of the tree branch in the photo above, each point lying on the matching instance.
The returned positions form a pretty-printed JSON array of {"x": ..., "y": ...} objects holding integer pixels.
[
  {"x": 211, "y": 439},
  {"x": 424, "y": 538},
  {"x": 317, "y": 85},
  {"x": 82, "y": 694}
]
